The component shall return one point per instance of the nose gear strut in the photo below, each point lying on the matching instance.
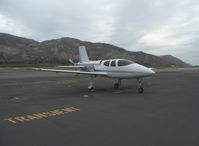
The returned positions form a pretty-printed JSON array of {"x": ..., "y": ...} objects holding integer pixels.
[{"x": 140, "y": 88}]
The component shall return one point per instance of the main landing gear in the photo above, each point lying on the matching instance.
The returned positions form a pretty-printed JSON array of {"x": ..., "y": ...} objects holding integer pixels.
[
  {"x": 90, "y": 86},
  {"x": 140, "y": 88},
  {"x": 117, "y": 84}
]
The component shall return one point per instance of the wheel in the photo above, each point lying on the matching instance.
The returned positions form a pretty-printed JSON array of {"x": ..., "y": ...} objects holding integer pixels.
[
  {"x": 91, "y": 89},
  {"x": 140, "y": 90},
  {"x": 116, "y": 85}
]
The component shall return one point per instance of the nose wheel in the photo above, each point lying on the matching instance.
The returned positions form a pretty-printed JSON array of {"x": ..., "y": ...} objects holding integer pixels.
[
  {"x": 90, "y": 88},
  {"x": 140, "y": 88}
]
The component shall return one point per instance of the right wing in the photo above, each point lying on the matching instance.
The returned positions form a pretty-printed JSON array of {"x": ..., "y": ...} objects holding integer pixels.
[
  {"x": 72, "y": 71},
  {"x": 71, "y": 66}
]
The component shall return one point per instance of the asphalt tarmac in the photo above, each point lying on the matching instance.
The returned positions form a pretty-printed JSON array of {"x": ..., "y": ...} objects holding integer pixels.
[{"x": 49, "y": 109}]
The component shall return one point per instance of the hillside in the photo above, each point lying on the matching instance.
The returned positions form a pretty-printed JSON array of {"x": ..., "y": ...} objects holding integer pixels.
[
  {"x": 15, "y": 49},
  {"x": 11, "y": 40},
  {"x": 173, "y": 60}
]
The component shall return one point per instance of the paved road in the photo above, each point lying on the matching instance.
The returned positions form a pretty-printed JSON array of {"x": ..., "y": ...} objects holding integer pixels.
[{"x": 48, "y": 109}]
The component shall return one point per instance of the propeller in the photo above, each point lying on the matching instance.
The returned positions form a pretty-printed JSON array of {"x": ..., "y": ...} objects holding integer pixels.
[{"x": 71, "y": 61}]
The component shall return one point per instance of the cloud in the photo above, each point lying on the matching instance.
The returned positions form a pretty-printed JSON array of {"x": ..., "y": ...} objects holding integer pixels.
[
  {"x": 13, "y": 27},
  {"x": 160, "y": 27},
  {"x": 155, "y": 26}
]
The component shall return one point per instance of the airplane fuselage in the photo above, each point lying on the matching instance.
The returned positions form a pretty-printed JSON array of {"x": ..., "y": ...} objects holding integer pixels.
[{"x": 118, "y": 68}]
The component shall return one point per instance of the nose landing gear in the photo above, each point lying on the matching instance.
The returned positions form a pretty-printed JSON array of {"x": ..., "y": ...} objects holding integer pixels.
[
  {"x": 140, "y": 88},
  {"x": 90, "y": 88}
]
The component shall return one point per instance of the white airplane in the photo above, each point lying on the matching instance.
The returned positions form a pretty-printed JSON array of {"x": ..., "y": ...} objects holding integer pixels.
[{"x": 114, "y": 68}]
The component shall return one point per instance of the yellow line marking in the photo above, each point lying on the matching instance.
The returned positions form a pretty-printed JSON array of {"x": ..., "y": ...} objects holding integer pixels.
[{"x": 41, "y": 115}]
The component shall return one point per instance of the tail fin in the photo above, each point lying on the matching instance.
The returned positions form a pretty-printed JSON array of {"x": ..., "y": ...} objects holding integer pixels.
[{"x": 83, "y": 57}]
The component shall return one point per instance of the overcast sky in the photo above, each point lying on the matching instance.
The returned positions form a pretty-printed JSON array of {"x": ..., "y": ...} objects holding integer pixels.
[{"x": 158, "y": 27}]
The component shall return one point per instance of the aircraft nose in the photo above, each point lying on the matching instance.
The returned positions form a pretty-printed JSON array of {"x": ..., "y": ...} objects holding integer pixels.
[
  {"x": 150, "y": 71},
  {"x": 142, "y": 70}
]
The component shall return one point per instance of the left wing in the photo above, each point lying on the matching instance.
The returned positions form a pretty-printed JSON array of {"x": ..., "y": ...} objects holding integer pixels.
[{"x": 71, "y": 71}]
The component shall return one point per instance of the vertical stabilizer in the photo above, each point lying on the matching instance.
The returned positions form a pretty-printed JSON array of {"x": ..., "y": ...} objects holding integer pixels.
[{"x": 83, "y": 57}]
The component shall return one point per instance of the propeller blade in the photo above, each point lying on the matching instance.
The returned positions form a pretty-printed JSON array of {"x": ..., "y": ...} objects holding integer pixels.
[{"x": 71, "y": 61}]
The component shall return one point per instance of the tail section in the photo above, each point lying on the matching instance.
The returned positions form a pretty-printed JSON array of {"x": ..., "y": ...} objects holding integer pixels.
[{"x": 83, "y": 57}]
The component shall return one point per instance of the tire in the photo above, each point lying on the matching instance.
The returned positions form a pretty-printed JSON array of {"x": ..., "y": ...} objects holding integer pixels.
[
  {"x": 116, "y": 85},
  {"x": 91, "y": 89},
  {"x": 140, "y": 90}
]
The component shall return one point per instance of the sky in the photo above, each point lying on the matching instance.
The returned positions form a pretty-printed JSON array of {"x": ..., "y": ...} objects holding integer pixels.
[{"x": 157, "y": 27}]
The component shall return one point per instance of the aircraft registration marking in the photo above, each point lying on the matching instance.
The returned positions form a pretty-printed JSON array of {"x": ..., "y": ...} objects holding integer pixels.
[{"x": 36, "y": 116}]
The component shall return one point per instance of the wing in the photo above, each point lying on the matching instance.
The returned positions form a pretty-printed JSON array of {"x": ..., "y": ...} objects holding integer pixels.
[
  {"x": 71, "y": 66},
  {"x": 71, "y": 71}
]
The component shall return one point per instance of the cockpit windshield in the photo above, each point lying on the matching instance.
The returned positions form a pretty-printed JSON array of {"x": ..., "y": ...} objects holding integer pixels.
[{"x": 124, "y": 62}]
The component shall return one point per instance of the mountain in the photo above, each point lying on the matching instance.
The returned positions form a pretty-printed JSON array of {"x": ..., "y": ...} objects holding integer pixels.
[
  {"x": 11, "y": 40},
  {"x": 173, "y": 60},
  {"x": 14, "y": 49}
]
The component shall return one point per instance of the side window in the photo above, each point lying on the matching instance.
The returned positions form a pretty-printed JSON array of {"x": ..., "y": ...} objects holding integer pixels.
[
  {"x": 124, "y": 62},
  {"x": 120, "y": 63},
  {"x": 113, "y": 63},
  {"x": 106, "y": 63}
]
